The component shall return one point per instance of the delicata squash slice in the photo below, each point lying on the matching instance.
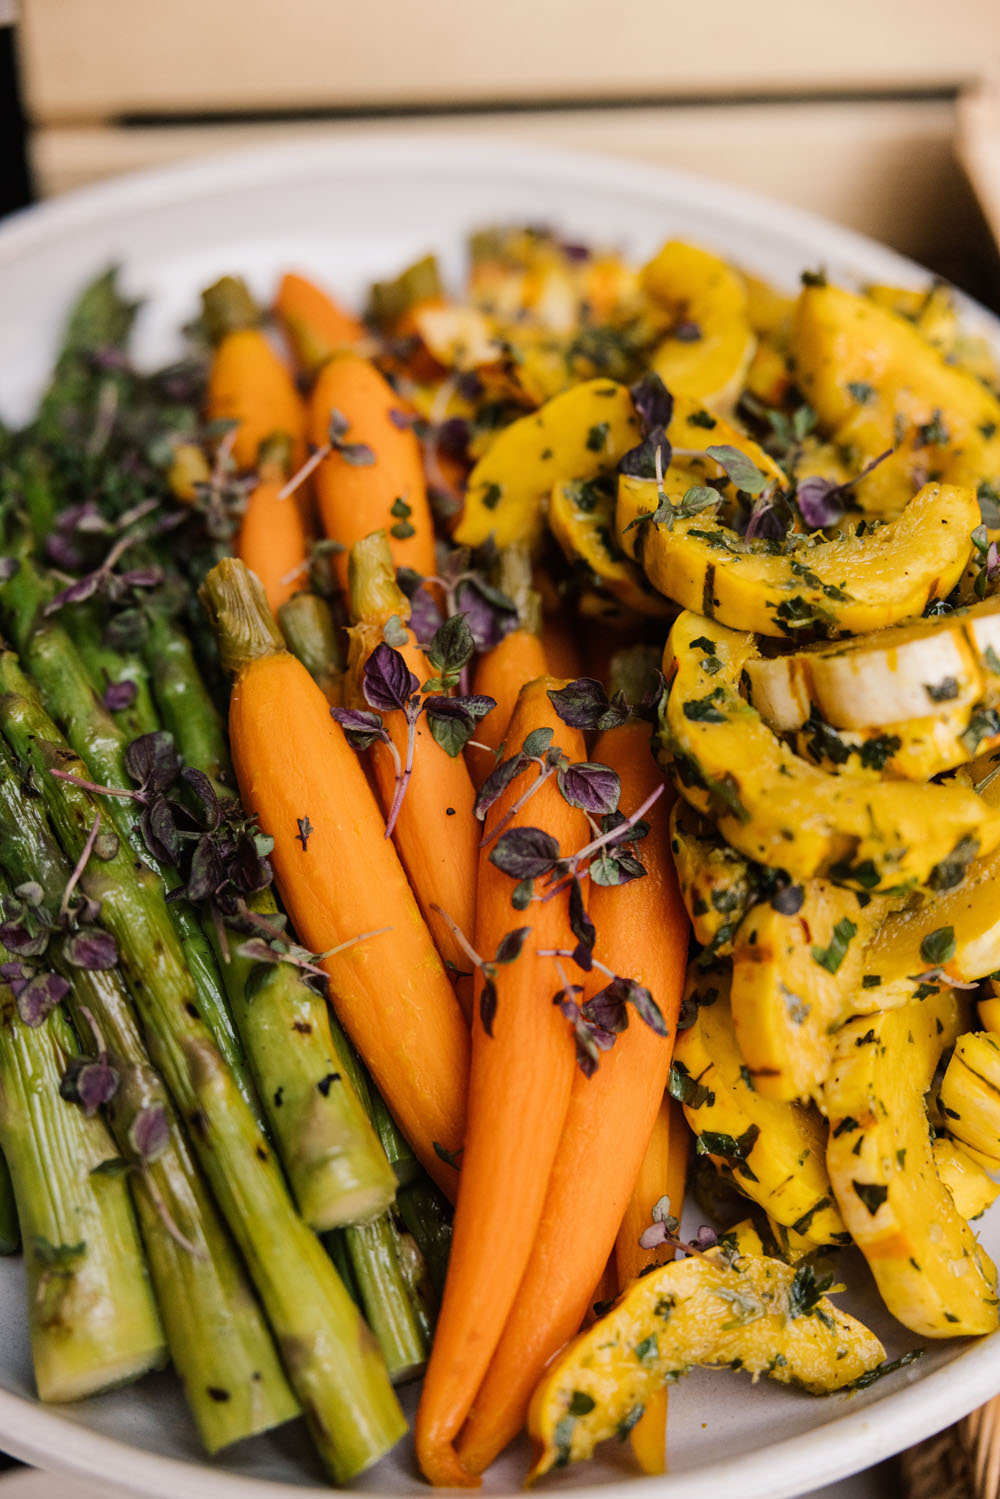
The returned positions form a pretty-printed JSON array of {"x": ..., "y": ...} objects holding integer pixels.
[
  {"x": 718, "y": 885},
  {"x": 953, "y": 937},
  {"x": 715, "y": 1310},
  {"x": 774, "y": 1151},
  {"x": 775, "y": 808},
  {"x": 582, "y": 520},
  {"x": 932, "y": 1274},
  {"x": 972, "y": 1189},
  {"x": 847, "y": 586},
  {"x": 794, "y": 975},
  {"x": 877, "y": 384},
  {"x": 578, "y": 434},
  {"x": 970, "y": 1096},
  {"x": 905, "y": 672},
  {"x": 709, "y": 342}
]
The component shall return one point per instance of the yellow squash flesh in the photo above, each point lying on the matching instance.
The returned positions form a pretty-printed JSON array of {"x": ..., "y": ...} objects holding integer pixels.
[
  {"x": 577, "y": 435},
  {"x": 851, "y": 585},
  {"x": 972, "y": 1189},
  {"x": 717, "y": 884},
  {"x": 970, "y": 1094},
  {"x": 705, "y": 1311},
  {"x": 775, "y": 808},
  {"x": 886, "y": 677},
  {"x": 929, "y": 1268},
  {"x": 709, "y": 346},
  {"x": 793, "y": 980},
  {"x": 773, "y": 1150},
  {"x": 877, "y": 384},
  {"x": 582, "y": 520}
]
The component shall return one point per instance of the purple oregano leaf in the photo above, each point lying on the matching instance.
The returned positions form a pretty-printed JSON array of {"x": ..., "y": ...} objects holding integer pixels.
[
  {"x": 654, "y": 405},
  {"x": 387, "y": 681},
  {"x": 360, "y": 727},
  {"x": 525, "y": 853},
  {"x": 592, "y": 787},
  {"x": 90, "y": 1083},
  {"x": 91, "y": 948},
  {"x": 37, "y": 998}
]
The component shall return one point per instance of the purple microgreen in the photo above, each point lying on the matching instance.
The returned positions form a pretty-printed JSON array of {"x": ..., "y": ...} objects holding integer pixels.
[
  {"x": 609, "y": 868},
  {"x": 425, "y": 615},
  {"x": 149, "y": 1133},
  {"x": 80, "y": 866},
  {"x": 488, "y": 1005},
  {"x": 119, "y": 695},
  {"x": 511, "y": 944},
  {"x": 771, "y": 517},
  {"x": 249, "y": 869},
  {"x": 159, "y": 830},
  {"x": 85, "y": 785},
  {"x": 582, "y": 928},
  {"x": 738, "y": 468},
  {"x": 357, "y": 454},
  {"x": 654, "y": 405},
  {"x": 537, "y": 742},
  {"x": 649, "y": 458},
  {"x": 490, "y": 614},
  {"x": 822, "y": 502},
  {"x": 207, "y": 874},
  {"x": 546, "y": 768},
  {"x": 498, "y": 780},
  {"x": 30, "y": 892},
  {"x": 207, "y": 807},
  {"x": 152, "y": 761},
  {"x": 584, "y": 704},
  {"x": 103, "y": 577},
  {"x": 612, "y": 869},
  {"x": 39, "y": 996},
  {"x": 451, "y": 648},
  {"x": 452, "y": 720},
  {"x": 387, "y": 682},
  {"x": 403, "y": 421},
  {"x": 62, "y": 551},
  {"x": 590, "y": 1039},
  {"x": 24, "y": 938},
  {"x": 361, "y": 728},
  {"x": 525, "y": 853},
  {"x": 592, "y": 787},
  {"x": 609, "y": 1006},
  {"x": 89, "y": 1082},
  {"x": 91, "y": 948}
]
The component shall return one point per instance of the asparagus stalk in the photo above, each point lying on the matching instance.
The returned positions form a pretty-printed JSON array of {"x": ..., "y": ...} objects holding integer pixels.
[
  {"x": 54, "y": 663},
  {"x": 219, "y": 1341},
  {"x": 307, "y": 623},
  {"x": 336, "y": 1168},
  {"x": 115, "y": 673},
  {"x": 332, "y": 1361},
  {"x": 91, "y": 1313}
]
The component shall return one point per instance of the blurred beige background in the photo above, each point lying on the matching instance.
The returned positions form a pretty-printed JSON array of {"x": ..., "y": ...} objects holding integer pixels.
[{"x": 851, "y": 110}]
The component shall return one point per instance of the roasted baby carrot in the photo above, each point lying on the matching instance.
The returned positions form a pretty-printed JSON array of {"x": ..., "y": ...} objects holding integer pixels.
[
  {"x": 435, "y": 831},
  {"x": 247, "y": 381},
  {"x": 559, "y": 642},
  {"x": 642, "y": 933},
  {"x": 272, "y": 540},
  {"x": 523, "y": 1064},
  {"x": 372, "y": 478},
  {"x": 339, "y": 877},
  {"x": 662, "y": 1173},
  {"x": 503, "y": 671},
  {"x": 315, "y": 326}
]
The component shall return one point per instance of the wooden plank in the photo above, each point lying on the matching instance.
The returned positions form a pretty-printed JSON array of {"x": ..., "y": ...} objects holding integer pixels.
[
  {"x": 93, "y": 59},
  {"x": 978, "y": 146},
  {"x": 886, "y": 169}
]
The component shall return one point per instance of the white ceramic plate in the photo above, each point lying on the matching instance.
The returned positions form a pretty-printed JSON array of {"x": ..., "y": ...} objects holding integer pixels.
[{"x": 349, "y": 212}]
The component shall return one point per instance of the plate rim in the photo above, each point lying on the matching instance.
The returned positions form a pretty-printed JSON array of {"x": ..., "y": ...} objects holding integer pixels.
[{"x": 925, "y": 1405}]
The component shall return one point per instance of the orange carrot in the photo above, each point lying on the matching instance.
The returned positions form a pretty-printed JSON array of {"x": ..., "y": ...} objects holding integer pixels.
[
  {"x": 435, "y": 832},
  {"x": 387, "y": 494},
  {"x": 500, "y": 674},
  {"x": 519, "y": 1091},
  {"x": 662, "y": 1173},
  {"x": 248, "y": 383},
  {"x": 314, "y": 325},
  {"x": 273, "y": 541},
  {"x": 642, "y": 932},
  {"x": 339, "y": 877}
]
